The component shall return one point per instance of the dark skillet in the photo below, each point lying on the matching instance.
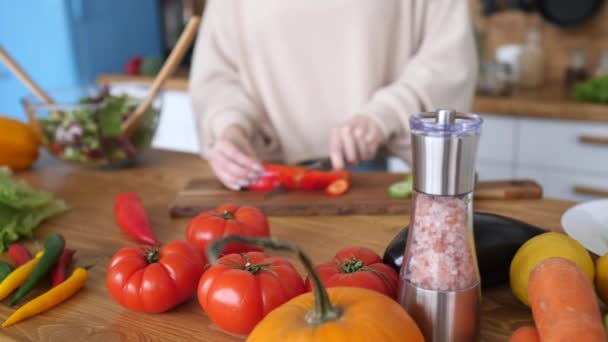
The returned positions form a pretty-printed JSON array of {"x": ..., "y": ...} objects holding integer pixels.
[{"x": 568, "y": 13}]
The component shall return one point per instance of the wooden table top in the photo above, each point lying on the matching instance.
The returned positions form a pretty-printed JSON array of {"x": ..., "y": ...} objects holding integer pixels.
[
  {"x": 551, "y": 101},
  {"x": 89, "y": 227}
]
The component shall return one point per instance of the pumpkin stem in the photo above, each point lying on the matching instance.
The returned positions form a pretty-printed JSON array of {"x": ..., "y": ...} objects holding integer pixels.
[{"x": 323, "y": 310}]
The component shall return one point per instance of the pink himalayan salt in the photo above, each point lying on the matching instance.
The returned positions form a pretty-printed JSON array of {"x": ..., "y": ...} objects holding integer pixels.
[{"x": 440, "y": 251}]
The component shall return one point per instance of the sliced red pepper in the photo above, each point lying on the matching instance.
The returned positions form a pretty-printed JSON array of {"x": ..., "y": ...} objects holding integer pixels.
[
  {"x": 268, "y": 182},
  {"x": 338, "y": 187},
  {"x": 289, "y": 176},
  {"x": 296, "y": 178},
  {"x": 319, "y": 180}
]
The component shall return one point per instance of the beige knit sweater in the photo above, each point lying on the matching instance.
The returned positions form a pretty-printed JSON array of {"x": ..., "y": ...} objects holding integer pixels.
[{"x": 290, "y": 70}]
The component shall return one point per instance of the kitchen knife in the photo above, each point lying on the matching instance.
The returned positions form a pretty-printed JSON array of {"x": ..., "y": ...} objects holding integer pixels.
[{"x": 321, "y": 164}]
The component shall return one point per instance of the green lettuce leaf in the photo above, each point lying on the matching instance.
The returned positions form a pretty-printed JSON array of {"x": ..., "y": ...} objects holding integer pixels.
[
  {"x": 110, "y": 115},
  {"x": 22, "y": 209}
]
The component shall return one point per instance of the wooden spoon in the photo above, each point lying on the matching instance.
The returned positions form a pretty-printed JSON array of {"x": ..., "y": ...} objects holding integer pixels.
[
  {"x": 174, "y": 59},
  {"x": 28, "y": 82}
]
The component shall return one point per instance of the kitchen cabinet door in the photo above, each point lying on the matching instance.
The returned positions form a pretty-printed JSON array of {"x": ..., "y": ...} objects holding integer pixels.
[
  {"x": 563, "y": 184},
  {"x": 498, "y": 141},
  {"x": 564, "y": 145},
  {"x": 487, "y": 171}
]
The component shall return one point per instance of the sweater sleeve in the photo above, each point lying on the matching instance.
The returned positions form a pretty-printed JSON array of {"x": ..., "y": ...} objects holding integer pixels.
[
  {"x": 440, "y": 74},
  {"x": 218, "y": 97}
]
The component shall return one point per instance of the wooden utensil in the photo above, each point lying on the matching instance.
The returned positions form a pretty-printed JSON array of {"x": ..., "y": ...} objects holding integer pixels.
[
  {"x": 172, "y": 62},
  {"x": 16, "y": 69},
  {"x": 367, "y": 196}
]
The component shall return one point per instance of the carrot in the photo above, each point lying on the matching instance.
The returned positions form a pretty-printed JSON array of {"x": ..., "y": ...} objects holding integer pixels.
[
  {"x": 563, "y": 303},
  {"x": 526, "y": 333}
]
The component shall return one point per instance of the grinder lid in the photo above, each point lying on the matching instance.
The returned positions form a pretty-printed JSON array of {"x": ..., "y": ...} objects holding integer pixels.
[{"x": 444, "y": 145}]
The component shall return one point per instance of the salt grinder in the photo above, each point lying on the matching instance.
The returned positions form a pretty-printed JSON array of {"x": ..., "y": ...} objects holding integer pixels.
[{"x": 439, "y": 282}]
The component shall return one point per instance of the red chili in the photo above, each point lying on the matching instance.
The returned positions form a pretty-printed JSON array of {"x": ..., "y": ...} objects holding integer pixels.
[
  {"x": 58, "y": 273},
  {"x": 19, "y": 254},
  {"x": 132, "y": 218}
]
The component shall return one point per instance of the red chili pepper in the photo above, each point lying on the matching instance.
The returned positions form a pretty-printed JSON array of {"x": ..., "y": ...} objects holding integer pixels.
[
  {"x": 19, "y": 254},
  {"x": 58, "y": 273},
  {"x": 132, "y": 218}
]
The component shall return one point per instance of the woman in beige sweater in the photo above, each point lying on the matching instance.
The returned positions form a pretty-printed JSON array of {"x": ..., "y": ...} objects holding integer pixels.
[{"x": 294, "y": 80}]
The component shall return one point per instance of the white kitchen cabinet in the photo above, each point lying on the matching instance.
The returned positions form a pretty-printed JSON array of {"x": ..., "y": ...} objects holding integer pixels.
[
  {"x": 498, "y": 141},
  {"x": 555, "y": 144},
  {"x": 550, "y": 151},
  {"x": 487, "y": 171},
  {"x": 560, "y": 183}
]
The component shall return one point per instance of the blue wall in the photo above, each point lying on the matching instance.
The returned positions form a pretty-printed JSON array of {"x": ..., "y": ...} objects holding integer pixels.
[{"x": 64, "y": 43}]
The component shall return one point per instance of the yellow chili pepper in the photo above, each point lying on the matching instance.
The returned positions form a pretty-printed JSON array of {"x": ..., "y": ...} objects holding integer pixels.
[
  {"x": 50, "y": 298},
  {"x": 18, "y": 276}
]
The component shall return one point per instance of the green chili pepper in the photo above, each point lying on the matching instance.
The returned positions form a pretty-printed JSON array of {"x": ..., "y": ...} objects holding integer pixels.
[
  {"x": 5, "y": 270},
  {"x": 53, "y": 248}
]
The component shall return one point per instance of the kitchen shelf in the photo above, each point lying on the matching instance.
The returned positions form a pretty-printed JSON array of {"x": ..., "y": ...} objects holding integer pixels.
[{"x": 552, "y": 101}]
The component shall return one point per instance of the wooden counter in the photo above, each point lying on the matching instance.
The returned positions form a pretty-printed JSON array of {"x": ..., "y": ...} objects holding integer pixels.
[
  {"x": 549, "y": 102},
  {"x": 90, "y": 228},
  {"x": 552, "y": 101}
]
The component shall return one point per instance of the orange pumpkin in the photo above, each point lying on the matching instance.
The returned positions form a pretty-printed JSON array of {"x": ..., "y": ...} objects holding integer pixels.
[
  {"x": 18, "y": 144},
  {"x": 337, "y": 314}
]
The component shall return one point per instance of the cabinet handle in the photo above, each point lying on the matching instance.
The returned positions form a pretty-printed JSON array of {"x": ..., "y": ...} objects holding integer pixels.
[
  {"x": 593, "y": 139},
  {"x": 590, "y": 191}
]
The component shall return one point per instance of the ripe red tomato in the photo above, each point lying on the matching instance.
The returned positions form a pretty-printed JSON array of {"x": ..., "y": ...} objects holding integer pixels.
[
  {"x": 358, "y": 267},
  {"x": 227, "y": 219},
  {"x": 241, "y": 289},
  {"x": 154, "y": 280}
]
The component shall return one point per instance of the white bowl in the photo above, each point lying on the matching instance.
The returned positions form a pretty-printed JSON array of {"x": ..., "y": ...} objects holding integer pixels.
[{"x": 588, "y": 224}]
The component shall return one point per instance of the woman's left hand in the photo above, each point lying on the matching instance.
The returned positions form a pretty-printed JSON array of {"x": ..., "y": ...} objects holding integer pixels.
[{"x": 355, "y": 141}]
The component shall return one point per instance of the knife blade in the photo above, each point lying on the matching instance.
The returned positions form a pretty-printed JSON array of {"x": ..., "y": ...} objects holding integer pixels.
[{"x": 321, "y": 164}]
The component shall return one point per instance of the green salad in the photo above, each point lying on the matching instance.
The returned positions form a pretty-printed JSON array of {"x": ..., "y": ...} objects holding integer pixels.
[{"x": 89, "y": 132}]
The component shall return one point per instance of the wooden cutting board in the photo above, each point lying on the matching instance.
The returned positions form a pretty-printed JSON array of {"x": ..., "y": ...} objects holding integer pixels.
[{"x": 368, "y": 195}]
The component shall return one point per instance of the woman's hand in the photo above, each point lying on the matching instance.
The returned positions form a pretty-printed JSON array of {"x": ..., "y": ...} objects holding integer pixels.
[
  {"x": 233, "y": 159},
  {"x": 356, "y": 141}
]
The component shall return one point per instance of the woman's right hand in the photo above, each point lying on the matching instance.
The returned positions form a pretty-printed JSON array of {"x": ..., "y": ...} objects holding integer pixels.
[{"x": 233, "y": 159}]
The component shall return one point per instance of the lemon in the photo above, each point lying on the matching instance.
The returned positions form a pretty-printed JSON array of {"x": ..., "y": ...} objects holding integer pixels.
[
  {"x": 543, "y": 246},
  {"x": 601, "y": 278}
]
